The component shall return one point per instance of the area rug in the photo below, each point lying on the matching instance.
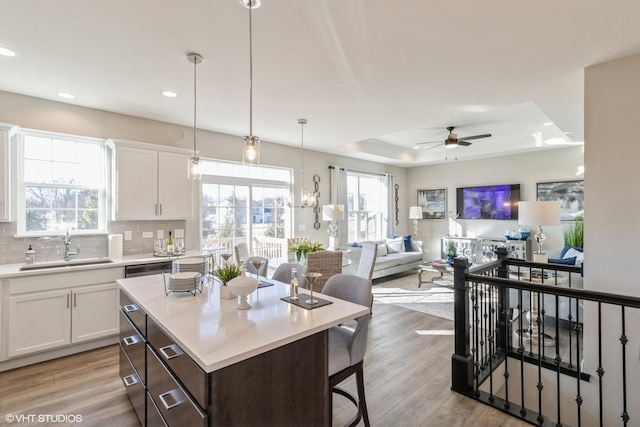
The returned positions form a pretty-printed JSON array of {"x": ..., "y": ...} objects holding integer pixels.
[{"x": 402, "y": 290}]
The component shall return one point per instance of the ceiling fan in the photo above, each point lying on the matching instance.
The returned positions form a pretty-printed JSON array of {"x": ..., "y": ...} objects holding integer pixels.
[{"x": 452, "y": 140}]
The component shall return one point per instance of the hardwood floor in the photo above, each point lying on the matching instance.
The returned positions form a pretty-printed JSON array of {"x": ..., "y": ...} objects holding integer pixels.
[{"x": 407, "y": 380}]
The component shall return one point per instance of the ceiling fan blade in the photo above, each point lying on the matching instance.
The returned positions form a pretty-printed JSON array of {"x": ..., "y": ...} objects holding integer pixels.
[
  {"x": 468, "y": 138},
  {"x": 438, "y": 145},
  {"x": 463, "y": 143},
  {"x": 428, "y": 143}
]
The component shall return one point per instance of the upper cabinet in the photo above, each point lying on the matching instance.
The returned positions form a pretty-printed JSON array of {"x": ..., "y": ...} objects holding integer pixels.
[
  {"x": 150, "y": 181},
  {"x": 7, "y": 132}
]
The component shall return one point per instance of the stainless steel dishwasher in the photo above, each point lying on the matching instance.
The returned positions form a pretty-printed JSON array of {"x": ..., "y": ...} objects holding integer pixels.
[{"x": 136, "y": 270}]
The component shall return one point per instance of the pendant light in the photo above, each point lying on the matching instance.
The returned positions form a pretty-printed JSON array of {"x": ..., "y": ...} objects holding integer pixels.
[
  {"x": 251, "y": 152},
  {"x": 307, "y": 198},
  {"x": 194, "y": 162}
]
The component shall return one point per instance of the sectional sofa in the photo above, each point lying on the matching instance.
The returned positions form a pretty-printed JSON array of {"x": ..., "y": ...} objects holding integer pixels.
[{"x": 392, "y": 257}]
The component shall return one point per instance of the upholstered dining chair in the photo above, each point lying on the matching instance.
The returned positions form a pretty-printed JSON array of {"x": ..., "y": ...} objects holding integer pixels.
[
  {"x": 283, "y": 273},
  {"x": 241, "y": 253},
  {"x": 261, "y": 270},
  {"x": 367, "y": 260},
  {"x": 327, "y": 263},
  {"x": 347, "y": 345}
]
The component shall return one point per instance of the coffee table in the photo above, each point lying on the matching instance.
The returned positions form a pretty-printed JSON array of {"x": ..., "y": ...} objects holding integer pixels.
[{"x": 437, "y": 266}]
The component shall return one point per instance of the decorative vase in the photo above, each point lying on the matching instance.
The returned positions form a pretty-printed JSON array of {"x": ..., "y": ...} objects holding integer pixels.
[
  {"x": 242, "y": 286},
  {"x": 225, "y": 292},
  {"x": 450, "y": 259}
]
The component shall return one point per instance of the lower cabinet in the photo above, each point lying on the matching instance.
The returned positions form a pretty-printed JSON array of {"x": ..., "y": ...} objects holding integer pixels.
[{"x": 48, "y": 319}]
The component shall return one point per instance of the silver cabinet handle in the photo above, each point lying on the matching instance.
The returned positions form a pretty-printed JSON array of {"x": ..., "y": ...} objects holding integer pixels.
[
  {"x": 130, "y": 308},
  {"x": 174, "y": 397},
  {"x": 67, "y": 300},
  {"x": 156, "y": 210},
  {"x": 75, "y": 297},
  {"x": 160, "y": 209},
  {"x": 130, "y": 380},
  {"x": 132, "y": 340},
  {"x": 173, "y": 349}
]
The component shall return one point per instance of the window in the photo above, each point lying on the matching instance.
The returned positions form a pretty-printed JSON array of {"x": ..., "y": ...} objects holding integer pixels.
[
  {"x": 367, "y": 205},
  {"x": 245, "y": 204},
  {"x": 61, "y": 184}
]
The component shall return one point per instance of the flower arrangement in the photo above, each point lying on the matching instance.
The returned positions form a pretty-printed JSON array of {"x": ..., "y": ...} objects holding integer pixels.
[
  {"x": 302, "y": 248},
  {"x": 227, "y": 271}
]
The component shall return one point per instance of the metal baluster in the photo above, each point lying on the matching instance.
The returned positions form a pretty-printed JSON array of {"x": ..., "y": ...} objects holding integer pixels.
[
  {"x": 476, "y": 350},
  {"x": 523, "y": 410},
  {"x": 558, "y": 359},
  {"x": 491, "y": 332},
  {"x": 624, "y": 341},
  {"x": 600, "y": 369},
  {"x": 578, "y": 330},
  {"x": 540, "y": 386}
]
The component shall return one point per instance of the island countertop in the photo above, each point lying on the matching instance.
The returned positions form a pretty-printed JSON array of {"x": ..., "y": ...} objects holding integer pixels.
[{"x": 215, "y": 334}]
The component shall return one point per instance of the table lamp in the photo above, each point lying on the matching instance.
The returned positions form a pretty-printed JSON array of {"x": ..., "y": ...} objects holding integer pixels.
[
  {"x": 539, "y": 213},
  {"x": 415, "y": 213},
  {"x": 333, "y": 213}
]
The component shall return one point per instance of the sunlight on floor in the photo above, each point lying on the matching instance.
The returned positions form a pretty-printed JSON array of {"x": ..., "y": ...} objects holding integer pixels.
[{"x": 434, "y": 332}]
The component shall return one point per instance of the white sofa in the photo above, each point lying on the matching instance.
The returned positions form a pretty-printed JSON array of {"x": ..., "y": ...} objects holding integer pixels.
[{"x": 387, "y": 263}]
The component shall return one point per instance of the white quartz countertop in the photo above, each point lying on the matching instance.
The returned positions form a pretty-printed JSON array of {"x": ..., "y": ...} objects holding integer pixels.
[
  {"x": 13, "y": 270},
  {"x": 216, "y": 334}
]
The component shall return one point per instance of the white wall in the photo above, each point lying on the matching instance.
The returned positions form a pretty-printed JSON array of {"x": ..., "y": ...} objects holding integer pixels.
[
  {"x": 525, "y": 169},
  {"x": 36, "y": 113},
  {"x": 612, "y": 197}
]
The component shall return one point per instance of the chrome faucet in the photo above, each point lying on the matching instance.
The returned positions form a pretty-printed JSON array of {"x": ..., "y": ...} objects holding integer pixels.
[{"x": 67, "y": 244}]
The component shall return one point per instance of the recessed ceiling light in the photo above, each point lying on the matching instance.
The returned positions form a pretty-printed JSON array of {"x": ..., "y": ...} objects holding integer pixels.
[
  {"x": 6, "y": 51},
  {"x": 547, "y": 124},
  {"x": 169, "y": 94},
  {"x": 66, "y": 95}
]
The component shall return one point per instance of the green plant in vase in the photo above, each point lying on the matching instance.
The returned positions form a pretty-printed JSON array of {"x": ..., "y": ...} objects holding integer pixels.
[
  {"x": 574, "y": 234},
  {"x": 452, "y": 252},
  {"x": 228, "y": 271},
  {"x": 304, "y": 247}
]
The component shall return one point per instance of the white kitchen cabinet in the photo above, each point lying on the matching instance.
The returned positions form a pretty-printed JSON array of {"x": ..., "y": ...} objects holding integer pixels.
[
  {"x": 150, "y": 183},
  {"x": 55, "y": 310},
  {"x": 6, "y": 133}
]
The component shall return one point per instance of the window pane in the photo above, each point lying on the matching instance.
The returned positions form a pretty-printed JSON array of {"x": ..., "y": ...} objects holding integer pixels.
[
  {"x": 36, "y": 220},
  {"x": 88, "y": 219},
  {"x": 36, "y": 197},
  {"x": 37, "y": 171},
  {"x": 64, "y": 198}
]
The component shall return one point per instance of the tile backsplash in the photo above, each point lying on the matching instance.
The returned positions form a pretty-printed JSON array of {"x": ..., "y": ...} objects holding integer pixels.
[{"x": 52, "y": 248}]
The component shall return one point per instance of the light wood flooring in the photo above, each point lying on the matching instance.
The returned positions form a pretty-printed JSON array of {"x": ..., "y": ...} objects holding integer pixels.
[{"x": 407, "y": 381}]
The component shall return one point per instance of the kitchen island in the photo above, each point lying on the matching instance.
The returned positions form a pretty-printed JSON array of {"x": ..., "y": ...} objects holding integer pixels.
[{"x": 264, "y": 366}]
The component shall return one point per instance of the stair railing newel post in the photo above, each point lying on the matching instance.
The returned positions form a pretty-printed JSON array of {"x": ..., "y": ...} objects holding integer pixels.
[
  {"x": 462, "y": 359},
  {"x": 504, "y": 328}
]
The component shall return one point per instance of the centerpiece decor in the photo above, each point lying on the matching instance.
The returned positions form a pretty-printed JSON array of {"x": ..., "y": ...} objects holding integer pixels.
[
  {"x": 225, "y": 273},
  {"x": 302, "y": 248},
  {"x": 452, "y": 252}
]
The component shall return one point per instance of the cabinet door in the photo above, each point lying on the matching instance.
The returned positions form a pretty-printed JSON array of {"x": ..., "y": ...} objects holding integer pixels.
[
  {"x": 5, "y": 206},
  {"x": 39, "y": 321},
  {"x": 95, "y": 312},
  {"x": 136, "y": 182},
  {"x": 174, "y": 186}
]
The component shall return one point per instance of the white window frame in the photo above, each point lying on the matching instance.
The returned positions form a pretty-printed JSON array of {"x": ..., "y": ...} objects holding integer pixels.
[{"x": 20, "y": 184}]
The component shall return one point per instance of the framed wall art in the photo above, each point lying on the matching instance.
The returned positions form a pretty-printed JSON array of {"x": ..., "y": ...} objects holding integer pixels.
[
  {"x": 433, "y": 203},
  {"x": 569, "y": 193}
]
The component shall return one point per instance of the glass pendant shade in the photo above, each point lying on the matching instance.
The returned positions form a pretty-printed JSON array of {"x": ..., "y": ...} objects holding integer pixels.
[
  {"x": 251, "y": 153},
  {"x": 194, "y": 168}
]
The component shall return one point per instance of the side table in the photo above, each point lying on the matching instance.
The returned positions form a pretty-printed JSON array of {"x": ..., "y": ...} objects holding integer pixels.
[{"x": 437, "y": 266}]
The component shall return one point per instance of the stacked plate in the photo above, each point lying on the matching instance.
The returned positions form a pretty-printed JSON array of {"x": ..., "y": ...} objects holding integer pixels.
[
  {"x": 184, "y": 281},
  {"x": 192, "y": 264}
]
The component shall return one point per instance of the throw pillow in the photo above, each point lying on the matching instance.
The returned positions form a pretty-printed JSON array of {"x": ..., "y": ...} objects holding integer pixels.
[
  {"x": 395, "y": 246},
  {"x": 382, "y": 250},
  {"x": 566, "y": 261},
  {"x": 407, "y": 242},
  {"x": 577, "y": 255},
  {"x": 567, "y": 248}
]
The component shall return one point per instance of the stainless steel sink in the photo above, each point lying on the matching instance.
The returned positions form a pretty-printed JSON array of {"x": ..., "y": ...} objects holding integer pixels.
[{"x": 64, "y": 264}]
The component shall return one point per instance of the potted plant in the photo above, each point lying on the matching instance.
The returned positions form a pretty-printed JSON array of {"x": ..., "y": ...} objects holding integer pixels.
[
  {"x": 574, "y": 234},
  {"x": 225, "y": 273},
  {"x": 302, "y": 248},
  {"x": 452, "y": 252}
]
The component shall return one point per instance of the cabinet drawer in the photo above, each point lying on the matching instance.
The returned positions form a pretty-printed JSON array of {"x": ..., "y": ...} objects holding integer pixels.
[
  {"x": 133, "y": 312},
  {"x": 133, "y": 345},
  {"x": 192, "y": 377},
  {"x": 133, "y": 386},
  {"x": 174, "y": 403},
  {"x": 154, "y": 417}
]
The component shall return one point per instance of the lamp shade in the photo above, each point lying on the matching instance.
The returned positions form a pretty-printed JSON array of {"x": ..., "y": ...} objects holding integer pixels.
[
  {"x": 332, "y": 212},
  {"x": 539, "y": 213},
  {"x": 415, "y": 212}
]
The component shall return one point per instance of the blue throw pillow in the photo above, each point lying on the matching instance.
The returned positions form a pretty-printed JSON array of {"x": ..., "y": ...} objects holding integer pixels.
[
  {"x": 356, "y": 245},
  {"x": 567, "y": 247},
  {"x": 407, "y": 242},
  {"x": 566, "y": 261}
]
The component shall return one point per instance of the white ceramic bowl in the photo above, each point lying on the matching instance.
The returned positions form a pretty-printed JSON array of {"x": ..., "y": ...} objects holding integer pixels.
[{"x": 242, "y": 286}]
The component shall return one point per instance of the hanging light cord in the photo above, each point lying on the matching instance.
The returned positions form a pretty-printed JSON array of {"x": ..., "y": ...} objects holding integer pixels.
[
  {"x": 195, "y": 65},
  {"x": 302, "y": 122},
  {"x": 250, "y": 73}
]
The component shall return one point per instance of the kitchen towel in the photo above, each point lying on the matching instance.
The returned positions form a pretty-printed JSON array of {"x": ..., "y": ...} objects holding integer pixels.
[{"x": 115, "y": 245}]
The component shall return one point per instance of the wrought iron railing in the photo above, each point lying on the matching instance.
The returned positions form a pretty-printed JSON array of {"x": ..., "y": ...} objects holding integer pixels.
[{"x": 536, "y": 370}]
